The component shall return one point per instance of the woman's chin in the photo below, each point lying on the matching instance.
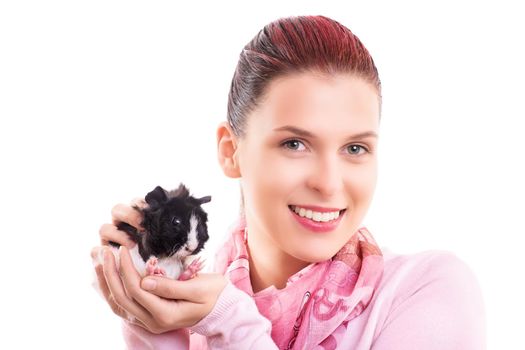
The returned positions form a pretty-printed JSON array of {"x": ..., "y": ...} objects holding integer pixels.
[{"x": 310, "y": 256}]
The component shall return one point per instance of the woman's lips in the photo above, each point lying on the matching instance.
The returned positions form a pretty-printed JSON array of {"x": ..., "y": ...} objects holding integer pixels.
[{"x": 316, "y": 226}]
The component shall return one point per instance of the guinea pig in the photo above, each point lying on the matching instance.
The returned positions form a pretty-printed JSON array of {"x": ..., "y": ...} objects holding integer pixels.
[{"x": 175, "y": 229}]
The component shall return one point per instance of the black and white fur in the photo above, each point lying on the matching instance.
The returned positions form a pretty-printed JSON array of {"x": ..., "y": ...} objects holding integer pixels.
[{"x": 175, "y": 229}]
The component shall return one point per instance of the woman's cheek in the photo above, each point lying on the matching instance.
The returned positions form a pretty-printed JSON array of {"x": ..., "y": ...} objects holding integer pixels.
[
  {"x": 285, "y": 176},
  {"x": 266, "y": 178},
  {"x": 363, "y": 183}
]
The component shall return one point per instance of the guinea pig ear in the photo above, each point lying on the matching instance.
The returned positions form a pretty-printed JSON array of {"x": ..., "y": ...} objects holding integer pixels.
[
  {"x": 204, "y": 199},
  {"x": 181, "y": 192},
  {"x": 157, "y": 196}
]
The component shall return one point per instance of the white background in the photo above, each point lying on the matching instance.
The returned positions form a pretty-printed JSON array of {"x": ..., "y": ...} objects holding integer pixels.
[{"x": 100, "y": 101}]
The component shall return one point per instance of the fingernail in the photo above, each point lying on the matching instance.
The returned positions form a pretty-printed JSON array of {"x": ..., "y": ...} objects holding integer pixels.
[{"x": 149, "y": 284}]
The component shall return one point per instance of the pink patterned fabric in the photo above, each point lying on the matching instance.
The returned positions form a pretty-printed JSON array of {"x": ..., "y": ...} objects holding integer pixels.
[{"x": 330, "y": 294}]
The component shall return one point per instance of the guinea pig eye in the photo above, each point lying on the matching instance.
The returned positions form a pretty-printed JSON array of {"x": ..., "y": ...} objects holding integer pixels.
[{"x": 175, "y": 221}]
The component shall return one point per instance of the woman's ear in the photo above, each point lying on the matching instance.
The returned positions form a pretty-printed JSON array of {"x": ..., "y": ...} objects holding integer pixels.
[{"x": 227, "y": 151}]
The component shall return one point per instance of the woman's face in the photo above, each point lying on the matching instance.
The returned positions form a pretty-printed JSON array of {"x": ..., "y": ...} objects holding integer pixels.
[{"x": 302, "y": 150}]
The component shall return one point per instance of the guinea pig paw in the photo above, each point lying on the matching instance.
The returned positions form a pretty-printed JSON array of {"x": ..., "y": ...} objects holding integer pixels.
[
  {"x": 192, "y": 269},
  {"x": 153, "y": 268},
  {"x": 159, "y": 271}
]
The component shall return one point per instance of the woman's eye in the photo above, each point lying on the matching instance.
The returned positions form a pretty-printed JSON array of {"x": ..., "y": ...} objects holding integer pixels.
[
  {"x": 292, "y": 144},
  {"x": 354, "y": 149},
  {"x": 297, "y": 145}
]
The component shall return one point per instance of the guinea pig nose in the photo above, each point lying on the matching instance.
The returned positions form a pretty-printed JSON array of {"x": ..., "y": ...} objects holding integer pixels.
[{"x": 175, "y": 221}]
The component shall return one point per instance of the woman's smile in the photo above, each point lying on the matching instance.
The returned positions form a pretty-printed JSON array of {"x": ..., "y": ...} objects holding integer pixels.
[
  {"x": 323, "y": 221},
  {"x": 316, "y": 213}
]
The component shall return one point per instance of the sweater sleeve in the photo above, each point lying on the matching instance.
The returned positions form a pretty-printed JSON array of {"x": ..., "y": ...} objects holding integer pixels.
[
  {"x": 235, "y": 323},
  {"x": 137, "y": 338},
  {"x": 441, "y": 307}
]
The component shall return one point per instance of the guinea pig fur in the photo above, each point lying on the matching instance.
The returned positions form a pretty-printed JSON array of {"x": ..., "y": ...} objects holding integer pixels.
[{"x": 175, "y": 229}]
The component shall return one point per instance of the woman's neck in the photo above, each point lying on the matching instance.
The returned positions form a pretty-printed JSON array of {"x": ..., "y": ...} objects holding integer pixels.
[{"x": 269, "y": 265}]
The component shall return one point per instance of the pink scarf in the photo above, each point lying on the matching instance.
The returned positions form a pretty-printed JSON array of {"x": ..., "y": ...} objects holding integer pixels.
[{"x": 318, "y": 302}]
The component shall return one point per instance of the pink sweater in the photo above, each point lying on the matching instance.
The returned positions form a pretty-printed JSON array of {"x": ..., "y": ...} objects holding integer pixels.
[{"x": 430, "y": 300}]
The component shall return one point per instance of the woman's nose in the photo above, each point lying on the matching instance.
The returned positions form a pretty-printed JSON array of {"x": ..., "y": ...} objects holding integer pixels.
[{"x": 326, "y": 176}]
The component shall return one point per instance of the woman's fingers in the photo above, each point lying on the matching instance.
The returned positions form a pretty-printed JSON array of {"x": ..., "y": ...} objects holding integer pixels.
[
  {"x": 131, "y": 280},
  {"x": 122, "y": 213},
  {"x": 171, "y": 305},
  {"x": 139, "y": 202},
  {"x": 99, "y": 269},
  {"x": 109, "y": 232},
  {"x": 117, "y": 292},
  {"x": 173, "y": 289},
  {"x": 96, "y": 256},
  {"x": 137, "y": 322},
  {"x": 193, "y": 299},
  {"x": 197, "y": 290},
  {"x": 106, "y": 293},
  {"x": 162, "y": 311},
  {"x": 117, "y": 310},
  {"x": 126, "y": 213}
]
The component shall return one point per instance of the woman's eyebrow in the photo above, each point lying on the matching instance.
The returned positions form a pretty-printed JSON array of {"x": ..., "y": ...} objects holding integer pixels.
[{"x": 305, "y": 133}]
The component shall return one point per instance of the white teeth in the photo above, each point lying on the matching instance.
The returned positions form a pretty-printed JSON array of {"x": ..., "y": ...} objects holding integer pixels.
[{"x": 315, "y": 215}]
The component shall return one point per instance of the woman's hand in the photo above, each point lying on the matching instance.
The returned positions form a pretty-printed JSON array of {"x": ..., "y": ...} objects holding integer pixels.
[
  {"x": 122, "y": 213},
  {"x": 110, "y": 232},
  {"x": 159, "y": 304}
]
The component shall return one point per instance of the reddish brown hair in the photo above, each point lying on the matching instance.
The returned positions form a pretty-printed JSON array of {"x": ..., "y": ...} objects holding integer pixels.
[{"x": 294, "y": 45}]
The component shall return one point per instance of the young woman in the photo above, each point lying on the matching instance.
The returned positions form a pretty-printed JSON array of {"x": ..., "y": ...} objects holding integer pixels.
[{"x": 298, "y": 271}]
